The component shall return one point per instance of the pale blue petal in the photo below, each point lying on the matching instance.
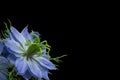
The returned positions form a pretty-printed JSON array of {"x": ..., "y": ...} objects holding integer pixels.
[
  {"x": 18, "y": 35},
  {"x": 46, "y": 56},
  {"x": 46, "y": 63},
  {"x": 12, "y": 58},
  {"x": 27, "y": 75},
  {"x": 13, "y": 45},
  {"x": 1, "y": 46},
  {"x": 3, "y": 68},
  {"x": 34, "y": 69},
  {"x": 2, "y": 76},
  {"x": 11, "y": 36},
  {"x": 4, "y": 71},
  {"x": 44, "y": 50},
  {"x": 5, "y": 52},
  {"x": 21, "y": 65},
  {"x": 4, "y": 63},
  {"x": 26, "y": 34},
  {"x": 14, "y": 53},
  {"x": 45, "y": 73}
]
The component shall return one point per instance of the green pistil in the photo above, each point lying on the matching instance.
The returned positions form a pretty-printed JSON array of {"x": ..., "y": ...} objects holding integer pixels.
[{"x": 32, "y": 50}]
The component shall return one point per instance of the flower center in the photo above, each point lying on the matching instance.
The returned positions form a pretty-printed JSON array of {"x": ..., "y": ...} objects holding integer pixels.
[{"x": 32, "y": 50}]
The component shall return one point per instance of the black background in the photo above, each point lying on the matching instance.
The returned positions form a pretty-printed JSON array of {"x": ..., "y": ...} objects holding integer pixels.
[{"x": 63, "y": 34}]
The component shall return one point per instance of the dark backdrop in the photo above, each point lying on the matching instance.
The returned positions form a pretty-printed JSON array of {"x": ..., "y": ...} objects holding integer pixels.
[{"x": 61, "y": 32}]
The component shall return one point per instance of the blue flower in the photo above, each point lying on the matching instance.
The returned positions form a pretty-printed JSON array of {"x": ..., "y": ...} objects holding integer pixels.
[
  {"x": 4, "y": 63},
  {"x": 26, "y": 54}
]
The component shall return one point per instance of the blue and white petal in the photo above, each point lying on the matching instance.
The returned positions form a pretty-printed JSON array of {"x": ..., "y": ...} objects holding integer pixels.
[
  {"x": 4, "y": 63},
  {"x": 45, "y": 73},
  {"x": 47, "y": 56},
  {"x": 18, "y": 36},
  {"x": 27, "y": 75},
  {"x": 34, "y": 69},
  {"x": 12, "y": 58},
  {"x": 46, "y": 63},
  {"x": 26, "y": 34},
  {"x": 21, "y": 65},
  {"x": 13, "y": 45},
  {"x": 3, "y": 77}
]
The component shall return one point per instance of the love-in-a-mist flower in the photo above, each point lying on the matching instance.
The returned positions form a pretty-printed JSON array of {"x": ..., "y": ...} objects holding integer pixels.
[
  {"x": 28, "y": 54},
  {"x": 4, "y": 63}
]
